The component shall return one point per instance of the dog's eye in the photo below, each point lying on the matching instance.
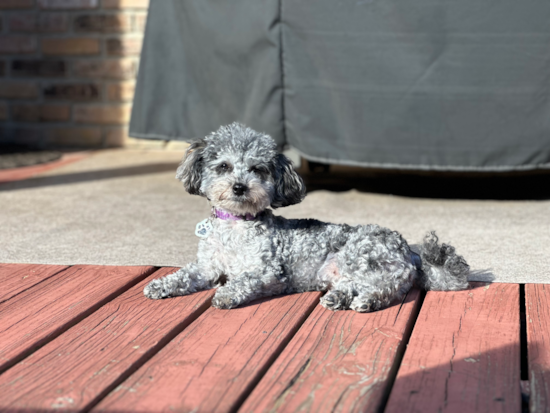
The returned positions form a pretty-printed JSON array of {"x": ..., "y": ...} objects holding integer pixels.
[
  {"x": 223, "y": 167},
  {"x": 258, "y": 171}
]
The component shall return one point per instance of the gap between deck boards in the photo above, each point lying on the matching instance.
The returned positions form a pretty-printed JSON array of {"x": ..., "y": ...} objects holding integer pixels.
[{"x": 401, "y": 352}]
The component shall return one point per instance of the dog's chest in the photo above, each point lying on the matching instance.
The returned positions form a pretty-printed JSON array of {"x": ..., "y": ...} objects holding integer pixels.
[{"x": 234, "y": 247}]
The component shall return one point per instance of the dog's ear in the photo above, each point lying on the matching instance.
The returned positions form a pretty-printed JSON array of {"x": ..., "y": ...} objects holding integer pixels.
[
  {"x": 190, "y": 170},
  {"x": 289, "y": 186}
]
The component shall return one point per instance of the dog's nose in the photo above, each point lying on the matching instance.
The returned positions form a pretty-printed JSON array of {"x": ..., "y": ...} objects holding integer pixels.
[{"x": 239, "y": 189}]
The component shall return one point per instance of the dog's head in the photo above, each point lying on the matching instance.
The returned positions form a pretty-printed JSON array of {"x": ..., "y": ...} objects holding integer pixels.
[{"x": 240, "y": 171}]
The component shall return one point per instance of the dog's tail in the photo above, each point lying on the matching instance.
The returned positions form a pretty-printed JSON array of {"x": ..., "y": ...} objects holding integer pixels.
[{"x": 441, "y": 268}]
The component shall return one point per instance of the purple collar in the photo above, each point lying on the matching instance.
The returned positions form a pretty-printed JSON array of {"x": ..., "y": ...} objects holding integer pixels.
[{"x": 224, "y": 215}]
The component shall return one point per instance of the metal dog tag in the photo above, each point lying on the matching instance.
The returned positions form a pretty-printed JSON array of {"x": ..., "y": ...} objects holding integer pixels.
[{"x": 203, "y": 228}]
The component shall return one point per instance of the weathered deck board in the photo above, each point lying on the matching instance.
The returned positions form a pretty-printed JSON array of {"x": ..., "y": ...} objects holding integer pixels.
[
  {"x": 213, "y": 364},
  {"x": 90, "y": 359},
  {"x": 537, "y": 307},
  {"x": 463, "y": 355},
  {"x": 338, "y": 361},
  {"x": 38, "y": 315},
  {"x": 15, "y": 278}
]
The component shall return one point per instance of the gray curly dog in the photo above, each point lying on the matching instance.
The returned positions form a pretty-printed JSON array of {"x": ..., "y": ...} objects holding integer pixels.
[{"x": 247, "y": 252}]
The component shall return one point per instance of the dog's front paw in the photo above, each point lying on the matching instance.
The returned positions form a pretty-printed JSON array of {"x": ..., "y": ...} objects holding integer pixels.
[
  {"x": 365, "y": 305},
  {"x": 155, "y": 290},
  {"x": 334, "y": 300},
  {"x": 224, "y": 301}
]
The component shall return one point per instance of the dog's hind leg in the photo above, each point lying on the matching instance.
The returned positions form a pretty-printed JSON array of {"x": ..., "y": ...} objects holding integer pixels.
[
  {"x": 186, "y": 280},
  {"x": 377, "y": 265}
]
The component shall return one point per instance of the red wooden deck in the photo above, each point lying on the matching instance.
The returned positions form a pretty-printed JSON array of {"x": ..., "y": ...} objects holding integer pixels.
[{"x": 84, "y": 338}]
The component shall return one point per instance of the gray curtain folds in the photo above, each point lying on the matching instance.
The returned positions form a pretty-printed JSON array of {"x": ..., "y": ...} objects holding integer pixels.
[
  {"x": 450, "y": 85},
  {"x": 206, "y": 63}
]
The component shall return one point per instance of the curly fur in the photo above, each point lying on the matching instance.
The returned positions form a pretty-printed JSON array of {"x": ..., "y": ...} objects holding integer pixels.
[{"x": 363, "y": 268}]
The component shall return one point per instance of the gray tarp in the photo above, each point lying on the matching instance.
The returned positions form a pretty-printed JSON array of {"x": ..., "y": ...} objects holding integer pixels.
[{"x": 424, "y": 84}]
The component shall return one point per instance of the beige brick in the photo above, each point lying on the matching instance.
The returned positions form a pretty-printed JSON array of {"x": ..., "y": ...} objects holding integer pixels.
[
  {"x": 119, "y": 92},
  {"x": 102, "y": 23},
  {"x": 38, "y": 68},
  {"x": 16, "y": 4},
  {"x": 3, "y": 111},
  {"x": 18, "y": 90},
  {"x": 125, "y": 4},
  {"x": 41, "y": 113},
  {"x": 106, "y": 69},
  {"x": 70, "y": 46},
  {"x": 72, "y": 91},
  {"x": 126, "y": 46},
  {"x": 81, "y": 137},
  {"x": 53, "y": 22},
  {"x": 115, "y": 137},
  {"x": 139, "y": 22},
  {"x": 45, "y": 22},
  {"x": 55, "y": 113},
  {"x": 68, "y": 4},
  {"x": 104, "y": 115},
  {"x": 23, "y": 22},
  {"x": 17, "y": 44}
]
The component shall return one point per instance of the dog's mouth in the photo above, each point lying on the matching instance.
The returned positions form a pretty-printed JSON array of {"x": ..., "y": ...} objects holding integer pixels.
[
  {"x": 229, "y": 197},
  {"x": 240, "y": 205},
  {"x": 244, "y": 198}
]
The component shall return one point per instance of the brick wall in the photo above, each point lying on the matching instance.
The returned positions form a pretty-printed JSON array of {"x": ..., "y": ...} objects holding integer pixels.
[{"x": 67, "y": 70}]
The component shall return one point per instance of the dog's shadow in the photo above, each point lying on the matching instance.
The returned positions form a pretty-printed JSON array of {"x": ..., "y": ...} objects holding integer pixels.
[
  {"x": 483, "y": 276},
  {"x": 262, "y": 300}
]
